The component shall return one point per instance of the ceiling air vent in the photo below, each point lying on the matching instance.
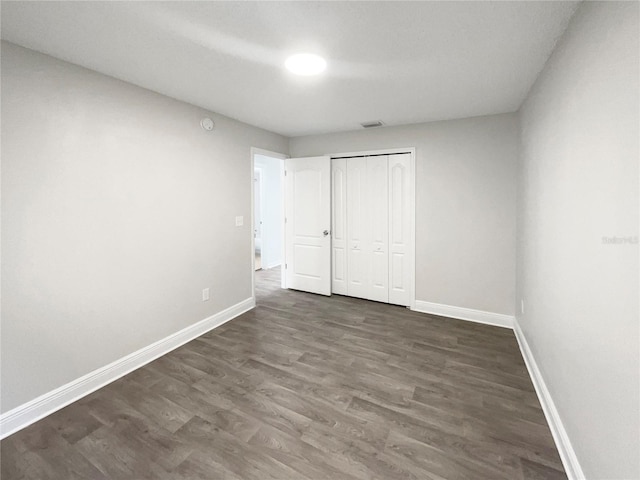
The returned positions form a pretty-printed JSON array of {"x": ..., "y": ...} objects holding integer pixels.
[{"x": 377, "y": 123}]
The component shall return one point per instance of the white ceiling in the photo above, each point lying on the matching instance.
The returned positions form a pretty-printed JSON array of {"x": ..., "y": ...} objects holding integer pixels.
[{"x": 399, "y": 62}]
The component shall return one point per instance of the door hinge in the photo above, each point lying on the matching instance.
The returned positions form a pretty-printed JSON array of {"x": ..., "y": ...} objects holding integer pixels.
[
  {"x": 285, "y": 219},
  {"x": 285, "y": 173},
  {"x": 285, "y": 266}
]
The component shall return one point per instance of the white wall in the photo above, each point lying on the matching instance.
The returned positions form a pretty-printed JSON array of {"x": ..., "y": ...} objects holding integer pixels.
[
  {"x": 465, "y": 204},
  {"x": 578, "y": 183},
  {"x": 117, "y": 210},
  {"x": 272, "y": 216}
]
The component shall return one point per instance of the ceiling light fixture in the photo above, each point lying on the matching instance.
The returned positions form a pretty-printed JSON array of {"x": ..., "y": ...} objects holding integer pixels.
[{"x": 305, "y": 64}]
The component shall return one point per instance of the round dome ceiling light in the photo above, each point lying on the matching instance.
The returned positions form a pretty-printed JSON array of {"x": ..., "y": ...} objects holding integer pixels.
[{"x": 305, "y": 64}]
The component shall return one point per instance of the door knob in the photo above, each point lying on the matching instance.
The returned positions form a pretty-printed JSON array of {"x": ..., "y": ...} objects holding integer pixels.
[{"x": 325, "y": 233}]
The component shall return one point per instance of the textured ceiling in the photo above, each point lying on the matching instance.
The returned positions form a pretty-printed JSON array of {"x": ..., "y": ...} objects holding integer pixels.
[{"x": 399, "y": 62}]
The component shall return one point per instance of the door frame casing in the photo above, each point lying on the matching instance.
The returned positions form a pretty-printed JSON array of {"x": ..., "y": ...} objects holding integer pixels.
[
  {"x": 259, "y": 172},
  {"x": 282, "y": 157},
  {"x": 412, "y": 203}
]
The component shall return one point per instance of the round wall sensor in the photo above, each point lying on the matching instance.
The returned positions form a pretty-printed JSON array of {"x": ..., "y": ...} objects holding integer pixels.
[{"x": 207, "y": 123}]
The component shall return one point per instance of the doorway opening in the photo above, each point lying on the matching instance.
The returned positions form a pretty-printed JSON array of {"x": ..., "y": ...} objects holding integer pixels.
[
  {"x": 257, "y": 217},
  {"x": 268, "y": 215}
]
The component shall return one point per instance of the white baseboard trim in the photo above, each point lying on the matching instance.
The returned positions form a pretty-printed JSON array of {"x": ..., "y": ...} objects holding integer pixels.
[
  {"x": 479, "y": 316},
  {"x": 38, "y": 408},
  {"x": 563, "y": 444}
]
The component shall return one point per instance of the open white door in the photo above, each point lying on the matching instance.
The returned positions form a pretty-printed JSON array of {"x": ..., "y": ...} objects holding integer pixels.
[{"x": 308, "y": 221}]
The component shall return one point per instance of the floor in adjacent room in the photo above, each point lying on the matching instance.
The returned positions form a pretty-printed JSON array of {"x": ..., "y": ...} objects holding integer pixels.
[{"x": 307, "y": 387}]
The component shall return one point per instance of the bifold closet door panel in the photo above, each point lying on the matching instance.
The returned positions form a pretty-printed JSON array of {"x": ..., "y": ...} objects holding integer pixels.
[
  {"x": 357, "y": 228},
  {"x": 378, "y": 245},
  {"x": 339, "y": 226},
  {"x": 400, "y": 229}
]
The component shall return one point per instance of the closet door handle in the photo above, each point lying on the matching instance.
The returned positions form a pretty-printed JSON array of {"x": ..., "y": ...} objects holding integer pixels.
[{"x": 325, "y": 233}]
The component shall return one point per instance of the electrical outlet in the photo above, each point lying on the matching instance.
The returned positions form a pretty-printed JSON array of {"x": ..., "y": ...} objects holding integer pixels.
[
  {"x": 239, "y": 221},
  {"x": 522, "y": 306},
  {"x": 205, "y": 295}
]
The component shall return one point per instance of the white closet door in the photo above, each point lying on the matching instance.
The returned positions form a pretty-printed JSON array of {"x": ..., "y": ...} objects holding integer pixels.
[
  {"x": 339, "y": 226},
  {"x": 378, "y": 207},
  {"x": 400, "y": 229},
  {"x": 357, "y": 231}
]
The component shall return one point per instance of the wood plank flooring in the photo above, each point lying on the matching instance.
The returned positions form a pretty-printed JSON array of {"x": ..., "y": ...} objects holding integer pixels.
[{"x": 307, "y": 387}]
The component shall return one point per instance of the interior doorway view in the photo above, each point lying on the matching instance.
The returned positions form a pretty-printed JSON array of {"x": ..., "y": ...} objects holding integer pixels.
[
  {"x": 257, "y": 217},
  {"x": 268, "y": 216}
]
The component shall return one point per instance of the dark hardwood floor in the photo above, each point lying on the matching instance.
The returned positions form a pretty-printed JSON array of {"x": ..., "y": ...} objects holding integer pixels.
[{"x": 307, "y": 387}]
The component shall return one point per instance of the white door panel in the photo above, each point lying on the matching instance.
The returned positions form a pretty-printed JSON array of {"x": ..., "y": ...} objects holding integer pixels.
[
  {"x": 400, "y": 229},
  {"x": 308, "y": 217},
  {"x": 339, "y": 226},
  {"x": 379, "y": 276},
  {"x": 378, "y": 207},
  {"x": 339, "y": 272},
  {"x": 357, "y": 228},
  {"x": 396, "y": 263}
]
